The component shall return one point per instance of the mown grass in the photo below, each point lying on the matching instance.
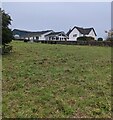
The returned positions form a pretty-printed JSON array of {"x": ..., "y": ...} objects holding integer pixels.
[{"x": 56, "y": 81}]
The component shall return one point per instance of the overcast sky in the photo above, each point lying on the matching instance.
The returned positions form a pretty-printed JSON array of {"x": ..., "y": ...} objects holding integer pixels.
[{"x": 60, "y": 16}]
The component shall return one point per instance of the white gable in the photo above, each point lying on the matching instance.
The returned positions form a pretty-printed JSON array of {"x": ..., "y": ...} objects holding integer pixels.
[
  {"x": 92, "y": 34},
  {"x": 74, "y": 34},
  {"x": 42, "y": 37}
]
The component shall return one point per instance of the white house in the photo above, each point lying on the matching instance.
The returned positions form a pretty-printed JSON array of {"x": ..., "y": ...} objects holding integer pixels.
[
  {"x": 32, "y": 36},
  {"x": 76, "y": 32},
  {"x": 40, "y": 35},
  {"x": 71, "y": 35},
  {"x": 37, "y": 36}
]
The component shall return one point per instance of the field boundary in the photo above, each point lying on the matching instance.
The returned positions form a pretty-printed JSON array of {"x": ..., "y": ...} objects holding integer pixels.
[{"x": 90, "y": 43}]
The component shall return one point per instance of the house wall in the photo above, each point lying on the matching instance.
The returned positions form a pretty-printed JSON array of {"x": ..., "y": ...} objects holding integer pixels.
[
  {"x": 17, "y": 36},
  {"x": 42, "y": 37},
  {"x": 92, "y": 34},
  {"x": 71, "y": 35},
  {"x": 60, "y": 38}
]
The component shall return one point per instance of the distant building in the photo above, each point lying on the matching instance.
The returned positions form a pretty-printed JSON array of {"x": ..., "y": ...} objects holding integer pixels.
[
  {"x": 57, "y": 36},
  {"x": 46, "y": 35},
  {"x": 76, "y": 32},
  {"x": 37, "y": 36},
  {"x": 28, "y": 35},
  {"x": 40, "y": 35}
]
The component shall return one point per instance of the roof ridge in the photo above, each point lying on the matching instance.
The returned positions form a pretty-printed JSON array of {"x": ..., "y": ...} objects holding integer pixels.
[{"x": 82, "y": 30}]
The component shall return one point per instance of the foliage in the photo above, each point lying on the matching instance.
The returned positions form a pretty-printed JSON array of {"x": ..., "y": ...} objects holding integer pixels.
[
  {"x": 85, "y": 38},
  {"x": 109, "y": 39},
  {"x": 26, "y": 40},
  {"x": 56, "y": 81},
  {"x": 6, "y": 49},
  {"x": 6, "y": 31}
]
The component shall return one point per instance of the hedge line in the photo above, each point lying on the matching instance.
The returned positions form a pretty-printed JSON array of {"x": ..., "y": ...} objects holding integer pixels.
[{"x": 92, "y": 43}]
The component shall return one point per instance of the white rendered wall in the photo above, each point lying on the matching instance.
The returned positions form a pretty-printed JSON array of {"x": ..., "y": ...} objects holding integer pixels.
[
  {"x": 42, "y": 37},
  {"x": 71, "y": 38}
]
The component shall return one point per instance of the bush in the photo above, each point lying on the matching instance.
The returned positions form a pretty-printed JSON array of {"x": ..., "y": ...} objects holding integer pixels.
[
  {"x": 109, "y": 39},
  {"x": 6, "y": 49},
  {"x": 100, "y": 39},
  {"x": 85, "y": 38},
  {"x": 26, "y": 40}
]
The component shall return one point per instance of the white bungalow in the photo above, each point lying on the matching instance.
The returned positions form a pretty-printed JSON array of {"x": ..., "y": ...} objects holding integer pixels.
[
  {"x": 76, "y": 32},
  {"x": 32, "y": 36},
  {"x": 37, "y": 36}
]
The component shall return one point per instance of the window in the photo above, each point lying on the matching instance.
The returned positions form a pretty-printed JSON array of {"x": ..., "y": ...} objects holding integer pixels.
[
  {"x": 37, "y": 38},
  {"x": 75, "y": 35},
  {"x": 57, "y": 38},
  {"x": 53, "y": 38}
]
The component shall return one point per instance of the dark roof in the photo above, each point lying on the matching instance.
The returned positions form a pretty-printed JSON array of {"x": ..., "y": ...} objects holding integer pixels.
[
  {"x": 24, "y": 33},
  {"x": 69, "y": 32},
  {"x": 37, "y": 33},
  {"x": 84, "y": 31},
  {"x": 43, "y": 32},
  {"x": 56, "y": 33},
  {"x": 53, "y": 33}
]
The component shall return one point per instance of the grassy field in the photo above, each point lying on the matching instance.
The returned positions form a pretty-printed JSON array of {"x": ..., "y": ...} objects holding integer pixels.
[{"x": 60, "y": 81}]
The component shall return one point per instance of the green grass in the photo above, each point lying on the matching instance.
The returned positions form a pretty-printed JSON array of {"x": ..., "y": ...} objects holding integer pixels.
[{"x": 56, "y": 81}]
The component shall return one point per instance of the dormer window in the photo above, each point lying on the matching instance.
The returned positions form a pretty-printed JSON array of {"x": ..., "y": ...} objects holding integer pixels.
[{"x": 60, "y": 34}]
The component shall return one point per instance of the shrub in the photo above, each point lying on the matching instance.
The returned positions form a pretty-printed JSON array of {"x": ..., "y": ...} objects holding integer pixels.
[
  {"x": 6, "y": 49},
  {"x": 26, "y": 40},
  {"x": 109, "y": 39},
  {"x": 85, "y": 38}
]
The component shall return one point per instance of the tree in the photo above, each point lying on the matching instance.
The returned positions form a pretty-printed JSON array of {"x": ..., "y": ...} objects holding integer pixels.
[
  {"x": 7, "y": 35},
  {"x": 109, "y": 39}
]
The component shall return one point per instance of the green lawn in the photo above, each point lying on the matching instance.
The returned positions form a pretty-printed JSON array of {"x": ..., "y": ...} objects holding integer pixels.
[{"x": 60, "y": 81}]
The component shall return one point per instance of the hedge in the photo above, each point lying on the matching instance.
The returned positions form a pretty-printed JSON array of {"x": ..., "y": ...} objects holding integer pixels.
[{"x": 91, "y": 43}]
